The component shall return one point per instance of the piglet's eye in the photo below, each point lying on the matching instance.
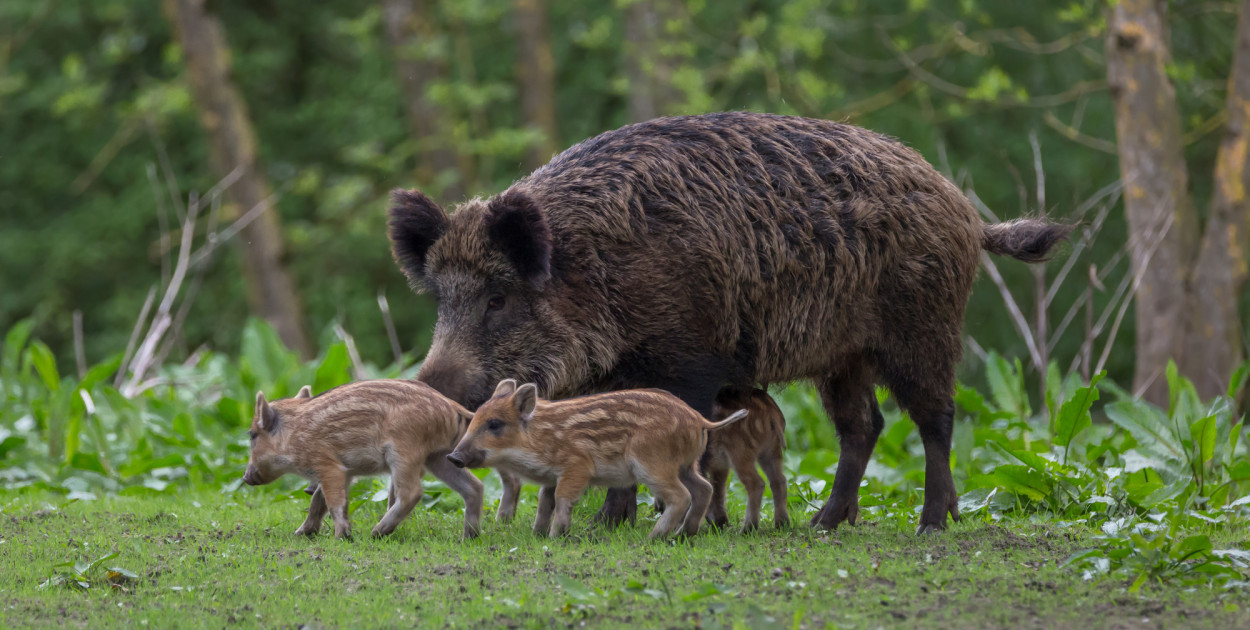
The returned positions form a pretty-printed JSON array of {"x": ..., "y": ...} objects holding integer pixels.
[
  {"x": 495, "y": 303},
  {"x": 494, "y": 426}
]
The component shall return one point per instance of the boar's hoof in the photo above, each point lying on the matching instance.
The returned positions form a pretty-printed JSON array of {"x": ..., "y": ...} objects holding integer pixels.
[
  {"x": 307, "y": 530},
  {"x": 719, "y": 522},
  {"x": 620, "y": 505},
  {"x": 470, "y": 533},
  {"x": 747, "y": 528},
  {"x": 834, "y": 513},
  {"x": 932, "y": 529}
]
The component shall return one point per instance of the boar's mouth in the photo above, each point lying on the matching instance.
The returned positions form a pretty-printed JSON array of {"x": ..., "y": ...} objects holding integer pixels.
[{"x": 466, "y": 459}]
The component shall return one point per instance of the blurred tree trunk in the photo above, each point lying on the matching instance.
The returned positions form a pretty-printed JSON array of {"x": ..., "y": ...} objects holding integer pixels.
[
  {"x": 536, "y": 73},
  {"x": 1185, "y": 311},
  {"x": 232, "y": 143},
  {"x": 647, "y": 68},
  {"x": 1213, "y": 343},
  {"x": 408, "y": 28}
]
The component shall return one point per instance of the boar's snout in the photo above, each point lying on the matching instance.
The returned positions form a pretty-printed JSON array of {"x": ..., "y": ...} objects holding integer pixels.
[
  {"x": 466, "y": 459},
  {"x": 456, "y": 378},
  {"x": 252, "y": 476}
]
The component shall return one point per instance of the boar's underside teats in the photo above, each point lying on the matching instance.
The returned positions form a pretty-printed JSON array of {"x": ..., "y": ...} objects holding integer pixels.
[{"x": 696, "y": 252}]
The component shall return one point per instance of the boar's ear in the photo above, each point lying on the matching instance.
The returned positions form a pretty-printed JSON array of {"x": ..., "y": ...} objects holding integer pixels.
[
  {"x": 525, "y": 399},
  {"x": 416, "y": 223},
  {"x": 265, "y": 414},
  {"x": 505, "y": 387},
  {"x": 517, "y": 226},
  {"x": 305, "y": 392}
]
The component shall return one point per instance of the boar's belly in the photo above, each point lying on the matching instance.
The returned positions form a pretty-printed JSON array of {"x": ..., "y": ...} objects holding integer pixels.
[
  {"x": 366, "y": 461},
  {"x": 614, "y": 474}
]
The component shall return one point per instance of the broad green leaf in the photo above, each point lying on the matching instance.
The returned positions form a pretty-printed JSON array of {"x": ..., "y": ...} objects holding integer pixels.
[
  {"x": 44, "y": 363},
  {"x": 1203, "y": 432},
  {"x": 14, "y": 342},
  {"x": 1240, "y": 377},
  {"x": 1022, "y": 480},
  {"x": 1192, "y": 546},
  {"x": 1074, "y": 414},
  {"x": 575, "y": 589},
  {"x": 334, "y": 370},
  {"x": 1145, "y": 424}
]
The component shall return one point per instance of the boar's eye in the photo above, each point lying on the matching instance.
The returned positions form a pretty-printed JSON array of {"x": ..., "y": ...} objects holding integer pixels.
[
  {"x": 252, "y": 435},
  {"x": 494, "y": 303},
  {"x": 495, "y": 426}
]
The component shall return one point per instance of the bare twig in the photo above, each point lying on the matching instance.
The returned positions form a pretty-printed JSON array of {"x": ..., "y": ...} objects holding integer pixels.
[
  {"x": 104, "y": 157},
  {"x": 1017, "y": 316},
  {"x": 80, "y": 355},
  {"x": 162, "y": 221},
  {"x": 1137, "y": 279},
  {"x": 358, "y": 370},
  {"x": 1073, "y": 134},
  {"x": 175, "y": 193},
  {"x": 1039, "y": 271},
  {"x": 976, "y": 348},
  {"x": 1112, "y": 190},
  {"x": 385, "y": 307},
  {"x": 134, "y": 337}
]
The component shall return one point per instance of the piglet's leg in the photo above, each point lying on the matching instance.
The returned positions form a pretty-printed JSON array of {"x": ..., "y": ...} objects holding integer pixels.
[
  {"x": 334, "y": 485},
  {"x": 507, "y": 503},
  {"x": 546, "y": 505},
  {"x": 316, "y": 512},
  {"x": 464, "y": 483},
  {"x": 572, "y": 482},
  {"x": 406, "y": 489}
]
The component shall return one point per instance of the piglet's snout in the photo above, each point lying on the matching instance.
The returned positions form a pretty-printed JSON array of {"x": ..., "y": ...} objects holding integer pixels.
[
  {"x": 252, "y": 476},
  {"x": 457, "y": 458}
]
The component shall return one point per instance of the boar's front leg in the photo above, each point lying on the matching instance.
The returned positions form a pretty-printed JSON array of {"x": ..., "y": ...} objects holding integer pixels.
[
  {"x": 546, "y": 505},
  {"x": 572, "y": 482},
  {"x": 334, "y": 485},
  {"x": 511, "y": 492},
  {"x": 404, "y": 494},
  {"x": 466, "y": 485},
  {"x": 316, "y": 512}
]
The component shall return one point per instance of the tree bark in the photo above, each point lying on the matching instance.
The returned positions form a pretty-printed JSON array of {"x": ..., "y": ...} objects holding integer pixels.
[
  {"x": 647, "y": 66},
  {"x": 1156, "y": 186},
  {"x": 408, "y": 27},
  {"x": 1212, "y": 347},
  {"x": 232, "y": 144},
  {"x": 536, "y": 72}
]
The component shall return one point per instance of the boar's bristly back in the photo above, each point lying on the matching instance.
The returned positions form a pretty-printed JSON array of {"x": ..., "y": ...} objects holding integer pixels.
[{"x": 416, "y": 223}]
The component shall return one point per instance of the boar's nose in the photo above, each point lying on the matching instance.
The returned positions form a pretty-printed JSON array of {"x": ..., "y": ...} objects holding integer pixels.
[{"x": 457, "y": 458}]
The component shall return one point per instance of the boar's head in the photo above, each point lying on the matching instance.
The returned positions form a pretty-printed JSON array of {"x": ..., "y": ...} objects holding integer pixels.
[
  {"x": 489, "y": 267},
  {"x": 498, "y": 425},
  {"x": 269, "y": 459}
]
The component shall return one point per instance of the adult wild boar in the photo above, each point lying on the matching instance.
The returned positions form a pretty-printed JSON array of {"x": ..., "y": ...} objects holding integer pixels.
[{"x": 696, "y": 252}]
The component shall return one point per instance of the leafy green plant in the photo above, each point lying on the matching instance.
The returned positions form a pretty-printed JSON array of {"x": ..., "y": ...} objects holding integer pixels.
[{"x": 83, "y": 575}]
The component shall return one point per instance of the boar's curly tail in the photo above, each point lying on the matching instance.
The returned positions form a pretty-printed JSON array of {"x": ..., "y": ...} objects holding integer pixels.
[
  {"x": 734, "y": 417},
  {"x": 1029, "y": 240}
]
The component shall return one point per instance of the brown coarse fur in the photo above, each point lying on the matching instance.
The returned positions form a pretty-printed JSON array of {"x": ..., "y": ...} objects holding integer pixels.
[
  {"x": 614, "y": 439},
  {"x": 730, "y": 249},
  {"x": 366, "y": 428},
  {"x": 759, "y": 437}
]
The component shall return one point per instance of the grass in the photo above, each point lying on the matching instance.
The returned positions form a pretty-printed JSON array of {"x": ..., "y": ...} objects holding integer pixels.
[{"x": 208, "y": 559}]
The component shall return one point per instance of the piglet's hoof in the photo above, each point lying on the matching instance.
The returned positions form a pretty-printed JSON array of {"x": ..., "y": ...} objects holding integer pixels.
[{"x": 307, "y": 531}]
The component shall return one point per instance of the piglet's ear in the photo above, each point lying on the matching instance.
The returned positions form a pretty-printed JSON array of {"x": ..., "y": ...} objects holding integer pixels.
[
  {"x": 265, "y": 415},
  {"x": 305, "y": 392},
  {"x": 416, "y": 223},
  {"x": 525, "y": 399},
  {"x": 517, "y": 226},
  {"x": 505, "y": 388}
]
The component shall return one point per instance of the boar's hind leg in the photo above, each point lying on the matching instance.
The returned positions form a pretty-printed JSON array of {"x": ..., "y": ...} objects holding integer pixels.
[
  {"x": 717, "y": 471},
  {"x": 316, "y": 512},
  {"x": 851, "y": 403},
  {"x": 929, "y": 402},
  {"x": 744, "y": 465},
  {"x": 771, "y": 461},
  {"x": 466, "y": 485},
  {"x": 546, "y": 505},
  {"x": 406, "y": 490},
  {"x": 700, "y": 495}
]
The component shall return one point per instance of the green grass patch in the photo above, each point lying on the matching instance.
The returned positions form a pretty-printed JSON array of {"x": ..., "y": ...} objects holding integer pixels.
[{"x": 213, "y": 559}]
